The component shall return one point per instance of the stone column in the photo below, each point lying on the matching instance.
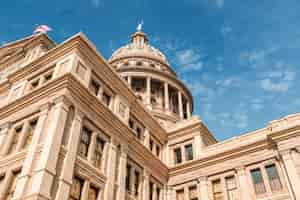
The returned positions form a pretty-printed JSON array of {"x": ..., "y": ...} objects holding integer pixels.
[
  {"x": 23, "y": 136},
  {"x": 147, "y": 138},
  {"x": 110, "y": 182},
  {"x": 129, "y": 79},
  {"x": 166, "y": 93},
  {"x": 146, "y": 181},
  {"x": 148, "y": 92},
  {"x": 186, "y": 193},
  {"x": 67, "y": 173},
  {"x": 180, "y": 107},
  {"x": 91, "y": 150},
  {"x": 25, "y": 175},
  {"x": 122, "y": 174},
  {"x": 154, "y": 194},
  {"x": 188, "y": 110},
  {"x": 6, "y": 185},
  {"x": 3, "y": 134},
  {"x": 293, "y": 177},
  {"x": 85, "y": 190},
  {"x": 45, "y": 171},
  {"x": 203, "y": 188},
  {"x": 8, "y": 140},
  {"x": 245, "y": 193}
]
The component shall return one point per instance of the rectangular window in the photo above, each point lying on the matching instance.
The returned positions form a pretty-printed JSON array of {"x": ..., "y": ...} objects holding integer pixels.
[
  {"x": 29, "y": 134},
  {"x": 13, "y": 185},
  {"x": 258, "y": 181},
  {"x": 136, "y": 183},
  {"x": 128, "y": 177},
  {"x": 151, "y": 145},
  {"x": 193, "y": 194},
  {"x": 76, "y": 188},
  {"x": 231, "y": 188},
  {"x": 178, "y": 156},
  {"x": 139, "y": 133},
  {"x": 157, "y": 192},
  {"x": 151, "y": 186},
  {"x": 99, "y": 146},
  {"x": 189, "y": 152},
  {"x": 17, "y": 133},
  {"x": 157, "y": 150},
  {"x": 85, "y": 141},
  {"x": 93, "y": 193},
  {"x": 180, "y": 195},
  {"x": 217, "y": 190},
  {"x": 94, "y": 87},
  {"x": 106, "y": 99},
  {"x": 273, "y": 176}
]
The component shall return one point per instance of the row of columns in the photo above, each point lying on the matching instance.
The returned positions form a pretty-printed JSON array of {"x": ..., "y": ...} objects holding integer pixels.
[{"x": 166, "y": 98}]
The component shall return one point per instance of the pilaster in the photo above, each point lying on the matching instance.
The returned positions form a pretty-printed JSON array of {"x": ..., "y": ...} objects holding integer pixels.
[
  {"x": 66, "y": 178},
  {"x": 25, "y": 175},
  {"x": 203, "y": 183},
  {"x": 110, "y": 184},
  {"x": 243, "y": 183},
  {"x": 43, "y": 175},
  {"x": 121, "y": 194},
  {"x": 291, "y": 170}
]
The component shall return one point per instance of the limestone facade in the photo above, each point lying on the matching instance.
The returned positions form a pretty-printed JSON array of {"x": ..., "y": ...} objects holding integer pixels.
[{"x": 74, "y": 126}]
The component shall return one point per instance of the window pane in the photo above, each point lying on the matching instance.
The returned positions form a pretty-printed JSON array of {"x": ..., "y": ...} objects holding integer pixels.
[
  {"x": 178, "y": 158},
  {"x": 231, "y": 188},
  {"x": 258, "y": 182},
  {"x": 180, "y": 195},
  {"x": 273, "y": 176},
  {"x": 189, "y": 152},
  {"x": 13, "y": 146},
  {"x": 85, "y": 141},
  {"x": 217, "y": 190},
  {"x": 193, "y": 194},
  {"x": 99, "y": 146},
  {"x": 128, "y": 177}
]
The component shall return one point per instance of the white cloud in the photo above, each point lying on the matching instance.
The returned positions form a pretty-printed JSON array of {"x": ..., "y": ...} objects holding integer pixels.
[
  {"x": 278, "y": 81},
  {"x": 189, "y": 59},
  {"x": 229, "y": 82},
  {"x": 272, "y": 86},
  {"x": 97, "y": 3}
]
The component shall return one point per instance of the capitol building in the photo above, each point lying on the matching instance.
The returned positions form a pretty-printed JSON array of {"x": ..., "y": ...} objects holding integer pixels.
[{"x": 75, "y": 126}]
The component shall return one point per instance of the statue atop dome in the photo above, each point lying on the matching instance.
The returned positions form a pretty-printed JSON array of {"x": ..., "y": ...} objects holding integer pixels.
[{"x": 140, "y": 26}]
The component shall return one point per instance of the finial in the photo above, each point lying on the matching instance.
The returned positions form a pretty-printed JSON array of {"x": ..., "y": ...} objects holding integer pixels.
[{"x": 140, "y": 26}]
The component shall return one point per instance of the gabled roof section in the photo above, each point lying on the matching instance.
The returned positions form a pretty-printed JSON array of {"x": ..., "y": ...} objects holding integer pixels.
[{"x": 12, "y": 48}]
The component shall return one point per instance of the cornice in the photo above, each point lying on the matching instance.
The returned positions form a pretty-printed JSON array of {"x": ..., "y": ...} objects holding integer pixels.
[{"x": 220, "y": 157}]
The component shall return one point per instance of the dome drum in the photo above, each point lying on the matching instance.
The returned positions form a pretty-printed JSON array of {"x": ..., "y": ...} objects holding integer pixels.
[{"x": 160, "y": 97}]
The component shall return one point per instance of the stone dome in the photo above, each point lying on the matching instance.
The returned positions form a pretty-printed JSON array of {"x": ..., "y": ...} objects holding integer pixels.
[{"x": 140, "y": 48}]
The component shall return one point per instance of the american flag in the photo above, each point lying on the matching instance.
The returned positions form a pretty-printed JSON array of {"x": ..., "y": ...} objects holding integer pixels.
[{"x": 42, "y": 29}]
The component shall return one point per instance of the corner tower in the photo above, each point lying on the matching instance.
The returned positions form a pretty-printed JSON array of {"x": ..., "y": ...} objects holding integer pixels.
[{"x": 150, "y": 76}]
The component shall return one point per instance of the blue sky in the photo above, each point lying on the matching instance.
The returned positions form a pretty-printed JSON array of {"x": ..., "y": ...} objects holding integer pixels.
[{"x": 240, "y": 58}]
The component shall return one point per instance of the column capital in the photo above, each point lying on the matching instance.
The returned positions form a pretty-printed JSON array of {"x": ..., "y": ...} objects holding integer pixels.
[
  {"x": 202, "y": 179},
  {"x": 5, "y": 125},
  {"x": 241, "y": 170},
  {"x": 45, "y": 107},
  {"x": 62, "y": 101}
]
